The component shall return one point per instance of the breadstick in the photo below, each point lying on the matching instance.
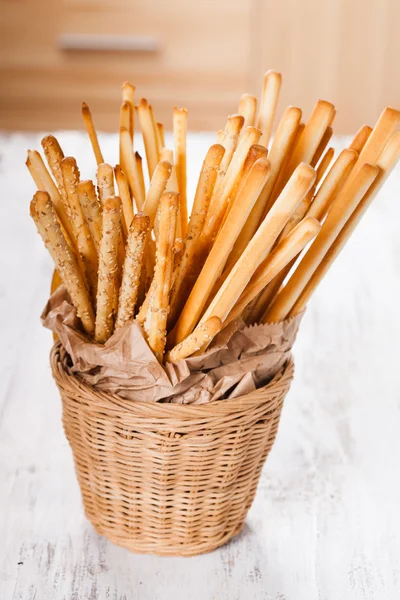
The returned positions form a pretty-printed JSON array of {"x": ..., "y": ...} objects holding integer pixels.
[
  {"x": 177, "y": 251},
  {"x": 248, "y": 109},
  {"x": 220, "y": 251},
  {"x": 360, "y": 138},
  {"x": 180, "y": 133},
  {"x": 322, "y": 145},
  {"x": 157, "y": 187},
  {"x": 139, "y": 168},
  {"x": 277, "y": 260},
  {"x": 54, "y": 156},
  {"x": 339, "y": 213},
  {"x": 157, "y": 312},
  {"x": 149, "y": 135},
  {"x": 90, "y": 128},
  {"x": 160, "y": 135},
  {"x": 44, "y": 182},
  {"x": 220, "y": 136},
  {"x": 229, "y": 141},
  {"x": 269, "y": 102},
  {"x": 105, "y": 182},
  {"x": 85, "y": 243},
  {"x": 129, "y": 289},
  {"x": 332, "y": 184},
  {"x": 323, "y": 165},
  {"x": 124, "y": 123},
  {"x": 124, "y": 194},
  {"x": 43, "y": 213},
  {"x": 262, "y": 242},
  {"x": 108, "y": 269},
  {"x": 91, "y": 209},
  {"x": 128, "y": 95},
  {"x": 386, "y": 162},
  {"x": 130, "y": 171},
  {"x": 156, "y": 133},
  {"x": 203, "y": 334}
]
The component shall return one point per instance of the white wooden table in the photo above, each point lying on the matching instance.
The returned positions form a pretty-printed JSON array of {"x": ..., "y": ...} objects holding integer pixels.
[{"x": 325, "y": 523}]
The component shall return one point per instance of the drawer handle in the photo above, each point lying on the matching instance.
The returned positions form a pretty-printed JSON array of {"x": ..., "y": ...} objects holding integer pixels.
[{"x": 107, "y": 43}]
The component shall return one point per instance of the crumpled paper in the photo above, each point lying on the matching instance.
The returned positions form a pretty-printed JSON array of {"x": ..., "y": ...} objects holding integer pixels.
[{"x": 239, "y": 360}]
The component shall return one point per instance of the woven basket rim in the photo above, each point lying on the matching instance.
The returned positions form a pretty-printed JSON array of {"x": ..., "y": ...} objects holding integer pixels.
[{"x": 112, "y": 402}]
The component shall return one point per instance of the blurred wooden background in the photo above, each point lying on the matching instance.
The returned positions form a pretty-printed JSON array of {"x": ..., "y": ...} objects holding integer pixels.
[{"x": 201, "y": 54}]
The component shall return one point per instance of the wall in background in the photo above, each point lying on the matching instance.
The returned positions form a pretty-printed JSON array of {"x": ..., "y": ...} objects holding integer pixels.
[{"x": 201, "y": 54}]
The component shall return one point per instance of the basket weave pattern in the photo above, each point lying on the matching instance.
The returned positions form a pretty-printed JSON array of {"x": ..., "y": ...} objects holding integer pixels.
[{"x": 168, "y": 479}]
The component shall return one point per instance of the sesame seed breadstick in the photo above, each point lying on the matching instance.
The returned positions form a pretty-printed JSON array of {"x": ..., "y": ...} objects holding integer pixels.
[
  {"x": 203, "y": 334},
  {"x": 248, "y": 109},
  {"x": 262, "y": 242},
  {"x": 180, "y": 132},
  {"x": 91, "y": 209},
  {"x": 157, "y": 312},
  {"x": 44, "y": 215},
  {"x": 108, "y": 269},
  {"x": 339, "y": 213},
  {"x": 220, "y": 251},
  {"x": 54, "y": 155},
  {"x": 281, "y": 255},
  {"x": 84, "y": 241},
  {"x": 322, "y": 145},
  {"x": 105, "y": 182},
  {"x": 149, "y": 135},
  {"x": 124, "y": 194},
  {"x": 129, "y": 289},
  {"x": 130, "y": 170},
  {"x": 360, "y": 138},
  {"x": 128, "y": 95},
  {"x": 386, "y": 162},
  {"x": 90, "y": 128},
  {"x": 269, "y": 102}
]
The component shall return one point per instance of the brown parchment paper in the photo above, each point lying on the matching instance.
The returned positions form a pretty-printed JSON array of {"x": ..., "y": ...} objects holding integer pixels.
[{"x": 239, "y": 360}]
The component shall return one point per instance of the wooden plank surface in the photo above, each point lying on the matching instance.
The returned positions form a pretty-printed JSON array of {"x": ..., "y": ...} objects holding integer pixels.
[{"x": 325, "y": 521}]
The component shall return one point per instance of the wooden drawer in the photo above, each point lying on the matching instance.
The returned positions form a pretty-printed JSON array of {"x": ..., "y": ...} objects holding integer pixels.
[{"x": 201, "y": 60}]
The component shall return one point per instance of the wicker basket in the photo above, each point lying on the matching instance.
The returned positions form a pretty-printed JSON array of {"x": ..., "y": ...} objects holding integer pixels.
[{"x": 168, "y": 479}]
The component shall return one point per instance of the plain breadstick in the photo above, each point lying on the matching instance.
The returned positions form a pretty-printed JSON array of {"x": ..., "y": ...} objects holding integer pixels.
[
  {"x": 124, "y": 123},
  {"x": 386, "y": 162},
  {"x": 85, "y": 243},
  {"x": 139, "y": 169},
  {"x": 322, "y": 145},
  {"x": 341, "y": 210},
  {"x": 128, "y": 95},
  {"x": 262, "y": 242},
  {"x": 203, "y": 334},
  {"x": 43, "y": 213},
  {"x": 248, "y": 109},
  {"x": 130, "y": 168},
  {"x": 269, "y": 102},
  {"x": 229, "y": 141},
  {"x": 149, "y": 135},
  {"x": 108, "y": 269},
  {"x": 105, "y": 182},
  {"x": 277, "y": 260},
  {"x": 124, "y": 194},
  {"x": 157, "y": 312},
  {"x": 90, "y": 128},
  {"x": 220, "y": 251},
  {"x": 91, "y": 209},
  {"x": 160, "y": 135},
  {"x": 360, "y": 138},
  {"x": 180, "y": 132},
  {"x": 129, "y": 289},
  {"x": 54, "y": 155},
  {"x": 324, "y": 165},
  {"x": 157, "y": 187}
]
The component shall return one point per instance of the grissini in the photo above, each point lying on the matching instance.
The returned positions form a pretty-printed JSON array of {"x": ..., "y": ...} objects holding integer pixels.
[
  {"x": 203, "y": 334},
  {"x": 105, "y": 182},
  {"x": 156, "y": 318},
  {"x": 322, "y": 145},
  {"x": 157, "y": 187},
  {"x": 180, "y": 133},
  {"x": 54, "y": 155},
  {"x": 268, "y": 105},
  {"x": 139, "y": 169},
  {"x": 124, "y": 123},
  {"x": 281, "y": 255},
  {"x": 91, "y": 209},
  {"x": 129, "y": 289},
  {"x": 220, "y": 251},
  {"x": 177, "y": 251},
  {"x": 248, "y": 109},
  {"x": 341, "y": 210},
  {"x": 85, "y": 243},
  {"x": 262, "y": 242},
  {"x": 160, "y": 135},
  {"x": 128, "y": 95},
  {"x": 90, "y": 128},
  {"x": 324, "y": 165},
  {"x": 386, "y": 162},
  {"x": 108, "y": 269},
  {"x": 149, "y": 135},
  {"x": 360, "y": 138},
  {"x": 43, "y": 213},
  {"x": 124, "y": 194},
  {"x": 229, "y": 141},
  {"x": 130, "y": 170},
  {"x": 159, "y": 146}
]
